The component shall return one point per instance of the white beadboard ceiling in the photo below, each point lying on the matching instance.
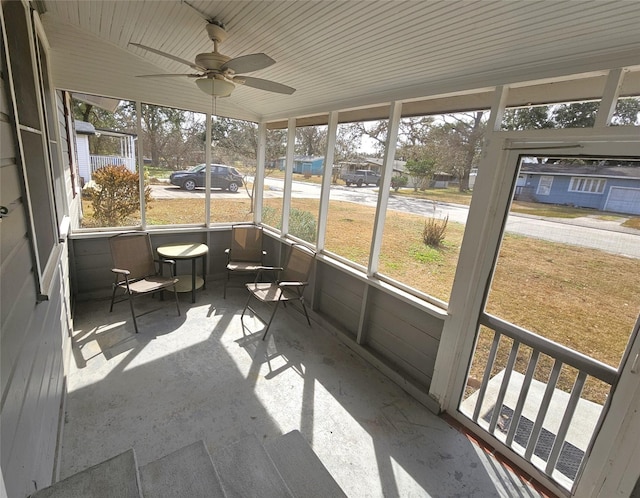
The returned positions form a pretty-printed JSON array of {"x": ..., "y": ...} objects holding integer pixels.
[{"x": 337, "y": 54}]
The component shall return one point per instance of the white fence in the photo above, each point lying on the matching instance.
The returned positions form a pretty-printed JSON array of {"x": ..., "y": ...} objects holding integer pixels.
[{"x": 98, "y": 162}]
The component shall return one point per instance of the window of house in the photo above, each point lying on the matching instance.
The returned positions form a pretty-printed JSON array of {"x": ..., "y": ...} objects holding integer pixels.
[
  {"x": 544, "y": 185},
  {"x": 29, "y": 72},
  {"x": 108, "y": 163},
  {"x": 355, "y": 173},
  {"x": 308, "y": 169},
  {"x": 234, "y": 150},
  {"x": 588, "y": 185},
  {"x": 172, "y": 143},
  {"x": 580, "y": 114},
  {"x": 429, "y": 201},
  {"x": 273, "y": 188}
]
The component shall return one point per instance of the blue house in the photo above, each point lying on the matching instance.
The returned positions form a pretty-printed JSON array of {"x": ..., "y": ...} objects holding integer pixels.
[
  {"x": 604, "y": 188},
  {"x": 304, "y": 165}
]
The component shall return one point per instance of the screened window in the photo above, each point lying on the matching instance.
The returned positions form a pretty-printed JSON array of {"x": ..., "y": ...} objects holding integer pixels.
[
  {"x": 357, "y": 158},
  {"x": 234, "y": 151},
  {"x": 429, "y": 201},
  {"x": 308, "y": 168},
  {"x": 273, "y": 188},
  {"x": 106, "y": 140}
]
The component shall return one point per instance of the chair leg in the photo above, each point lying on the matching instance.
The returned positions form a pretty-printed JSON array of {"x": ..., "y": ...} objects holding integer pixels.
[
  {"x": 113, "y": 297},
  {"x": 224, "y": 294},
  {"x": 275, "y": 308},
  {"x": 133, "y": 313},
  {"x": 175, "y": 293},
  {"x": 246, "y": 306},
  {"x": 304, "y": 308}
]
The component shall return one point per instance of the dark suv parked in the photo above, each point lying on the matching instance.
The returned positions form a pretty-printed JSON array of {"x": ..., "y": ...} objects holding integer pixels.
[{"x": 224, "y": 177}]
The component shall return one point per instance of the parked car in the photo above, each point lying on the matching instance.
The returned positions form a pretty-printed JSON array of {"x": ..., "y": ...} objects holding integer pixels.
[
  {"x": 361, "y": 177},
  {"x": 224, "y": 177}
]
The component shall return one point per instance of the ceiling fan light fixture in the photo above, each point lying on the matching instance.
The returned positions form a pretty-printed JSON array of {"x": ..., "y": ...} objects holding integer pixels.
[{"x": 215, "y": 87}]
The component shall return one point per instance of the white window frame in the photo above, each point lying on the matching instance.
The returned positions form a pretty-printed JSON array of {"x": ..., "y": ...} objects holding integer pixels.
[
  {"x": 587, "y": 185},
  {"x": 544, "y": 185},
  {"x": 44, "y": 230}
]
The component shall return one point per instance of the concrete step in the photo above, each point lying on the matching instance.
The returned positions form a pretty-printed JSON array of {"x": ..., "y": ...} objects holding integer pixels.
[
  {"x": 285, "y": 467},
  {"x": 188, "y": 471},
  {"x": 116, "y": 477},
  {"x": 246, "y": 471},
  {"x": 300, "y": 467}
]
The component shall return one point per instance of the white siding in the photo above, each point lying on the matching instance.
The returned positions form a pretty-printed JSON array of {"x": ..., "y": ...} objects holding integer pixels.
[{"x": 84, "y": 163}]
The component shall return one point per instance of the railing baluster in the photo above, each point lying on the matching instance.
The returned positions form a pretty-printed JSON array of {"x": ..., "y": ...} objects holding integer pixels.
[
  {"x": 506, "y": 377},
  {"x": 544, "y": 407},
  {"x": 526, "y": 383},
  {"x": 487, "y": 373},
  {"x": 566, "y": 421},
  {"x": 561, "y": 355}
]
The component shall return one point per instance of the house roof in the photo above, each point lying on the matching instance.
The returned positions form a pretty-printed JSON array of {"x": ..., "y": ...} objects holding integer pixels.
[
  {"x": 303, "y": 158},
  {"x": 630, "y": 172},
  {"x": 354, "y": 56},
  {"x": 397, "y": 163},
  {"x": 84, "y": 128}
]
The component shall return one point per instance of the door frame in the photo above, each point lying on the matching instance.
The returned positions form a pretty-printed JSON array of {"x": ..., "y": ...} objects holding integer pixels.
[{"x": 488, "y": 211}]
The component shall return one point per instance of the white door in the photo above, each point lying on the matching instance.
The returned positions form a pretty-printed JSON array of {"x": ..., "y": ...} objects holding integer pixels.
[{"x": 543, "y": 420}]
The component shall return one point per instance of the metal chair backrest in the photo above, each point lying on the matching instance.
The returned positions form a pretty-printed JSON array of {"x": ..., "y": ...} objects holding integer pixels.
[
  {"x": 298, "y": 265},
  {"x": 246, "y": 243},
  {"x": 133, "y": 252}
]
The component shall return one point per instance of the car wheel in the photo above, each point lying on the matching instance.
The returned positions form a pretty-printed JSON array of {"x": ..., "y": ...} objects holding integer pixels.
[
  {"x": 359, "y": 183},
  {"x": 233, "y": 187},
  {"x": 189, "y": 185},
  {"x": 377, "y": 184},
  {"x": 348, "y": 184}
]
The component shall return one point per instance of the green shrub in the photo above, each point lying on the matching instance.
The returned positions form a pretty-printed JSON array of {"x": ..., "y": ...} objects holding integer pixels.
[
  {"x": 116, "y": 195},
  {"x": 434, "y": 231},
  {"x": 399, "y": 181},
  {"x": 271, "y": 217},
  {"x": 302, "y": 224}
]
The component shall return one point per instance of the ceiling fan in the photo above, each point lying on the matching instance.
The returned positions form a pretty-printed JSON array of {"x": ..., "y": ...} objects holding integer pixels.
[{"x": 219, "y": 74}]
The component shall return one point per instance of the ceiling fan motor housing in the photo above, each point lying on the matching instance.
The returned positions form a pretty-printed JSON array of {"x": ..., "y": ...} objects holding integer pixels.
[
  {"x": 211, "y": 60},
  {"x": 216, "y": 32}
]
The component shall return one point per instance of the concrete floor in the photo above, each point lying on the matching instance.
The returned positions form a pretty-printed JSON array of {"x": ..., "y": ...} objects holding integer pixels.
[{"x": 203, "y": 376}]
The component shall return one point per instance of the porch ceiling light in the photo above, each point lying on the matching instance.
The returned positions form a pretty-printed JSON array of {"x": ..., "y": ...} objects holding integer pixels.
[{"x": 215, "y": 87}]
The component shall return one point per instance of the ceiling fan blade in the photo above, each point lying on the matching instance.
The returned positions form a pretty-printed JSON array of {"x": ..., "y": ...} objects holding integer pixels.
[
  {"x": 248, "y": 63},
  {"x": 269, "y": 86},
  {"x": 165, "y": 75},
  {"x": 202, "y": 13},
  {"x": 168, "y": 56}
]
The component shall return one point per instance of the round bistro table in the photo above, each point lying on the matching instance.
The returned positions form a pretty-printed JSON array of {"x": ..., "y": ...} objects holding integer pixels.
[{"x": 188, "y": 251}]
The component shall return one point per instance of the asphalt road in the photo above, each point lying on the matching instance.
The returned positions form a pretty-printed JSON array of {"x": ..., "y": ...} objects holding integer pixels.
[{"x": 585, "y": 232}]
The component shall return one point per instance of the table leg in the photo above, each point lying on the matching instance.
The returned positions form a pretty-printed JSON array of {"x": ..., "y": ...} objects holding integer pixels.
[
  {"x": 162, "y": 275},
  {"x": 193, "y": 280},
  {"x": 204, "y": 271}
]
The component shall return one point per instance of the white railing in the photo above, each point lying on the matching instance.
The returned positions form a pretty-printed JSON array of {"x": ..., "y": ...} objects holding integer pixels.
[
  {"x": 531, "y": 417},
  {"x": 98, "y": 162}
]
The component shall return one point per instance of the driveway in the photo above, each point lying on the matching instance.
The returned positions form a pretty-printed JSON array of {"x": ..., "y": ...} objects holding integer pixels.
[{"x": 166, "y": 191}]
